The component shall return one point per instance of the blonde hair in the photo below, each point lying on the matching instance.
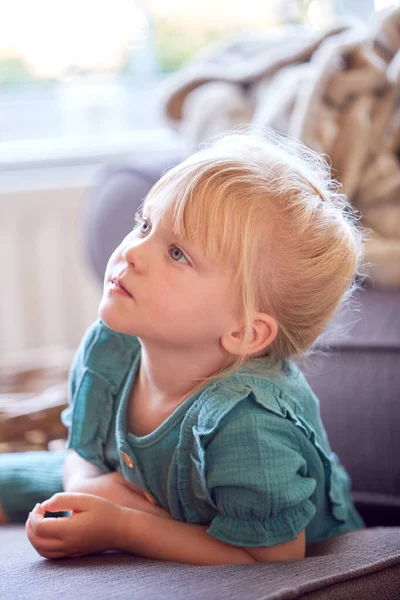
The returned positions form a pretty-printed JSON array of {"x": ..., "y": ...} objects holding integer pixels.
[{"x": 267, "y": 204}]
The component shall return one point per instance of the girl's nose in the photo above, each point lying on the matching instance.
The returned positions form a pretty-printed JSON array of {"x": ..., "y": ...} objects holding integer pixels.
[{"x": 136, "y": 255}]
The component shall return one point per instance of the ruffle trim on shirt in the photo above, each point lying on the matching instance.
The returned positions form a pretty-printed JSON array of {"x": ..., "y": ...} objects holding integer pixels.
[
  {"x": 335, "y": 477},
  {"x": 276, "y": 530},
  {"x": 199, "y": 426},
  {"x": 99, "y": 370},
  {"x": 91, "y": 418}
]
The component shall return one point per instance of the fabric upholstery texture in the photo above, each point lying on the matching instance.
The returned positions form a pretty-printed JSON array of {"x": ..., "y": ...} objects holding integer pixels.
[{"x": 364, "y": 564}]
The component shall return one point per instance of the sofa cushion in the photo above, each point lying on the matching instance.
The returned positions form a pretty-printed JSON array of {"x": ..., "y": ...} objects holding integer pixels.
[
  {"x": 356, "y": 376},
  {"x": 358, "y": 565},
  {"x": 370, "y": 321}
]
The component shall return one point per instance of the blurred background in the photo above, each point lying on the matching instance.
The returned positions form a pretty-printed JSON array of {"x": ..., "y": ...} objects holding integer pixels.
[
  {"x": 81, "y": 74},
  {"x": 78, "y": 89}
]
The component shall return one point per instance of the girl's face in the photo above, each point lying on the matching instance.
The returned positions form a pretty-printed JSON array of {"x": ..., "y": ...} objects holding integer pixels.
[{"x": 163, "y": 289}]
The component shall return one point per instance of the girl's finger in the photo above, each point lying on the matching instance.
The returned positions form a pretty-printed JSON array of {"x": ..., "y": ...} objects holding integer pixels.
[
  {"x": 42, "y": 544},
  {"x": 50, "y": 527},
  {"x": 68, "y": 501}
]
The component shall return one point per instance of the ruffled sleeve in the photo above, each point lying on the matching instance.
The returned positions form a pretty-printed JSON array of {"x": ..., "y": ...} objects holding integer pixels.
[
  {"x": 99, "y": 368},
  {"x": 257, "y": 481}
]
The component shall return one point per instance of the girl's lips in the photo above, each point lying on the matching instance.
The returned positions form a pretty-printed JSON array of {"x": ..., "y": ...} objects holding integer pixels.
[{"x": 119, "y": 289}]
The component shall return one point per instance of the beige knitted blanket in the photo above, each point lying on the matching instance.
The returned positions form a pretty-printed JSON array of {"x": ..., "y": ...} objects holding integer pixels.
[{"x": 338, "y": 92}]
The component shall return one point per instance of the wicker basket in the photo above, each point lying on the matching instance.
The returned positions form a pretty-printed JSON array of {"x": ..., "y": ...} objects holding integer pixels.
[{"x": 33, "y": 392}]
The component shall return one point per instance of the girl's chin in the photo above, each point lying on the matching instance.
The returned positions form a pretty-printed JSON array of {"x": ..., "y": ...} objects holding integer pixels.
[
  {"x": 108, "y": 314},
  {"x": 113, "y": 319}
]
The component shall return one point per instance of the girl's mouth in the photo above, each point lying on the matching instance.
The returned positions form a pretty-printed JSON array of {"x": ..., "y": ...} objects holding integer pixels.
[{"x": 118, "y": 288}]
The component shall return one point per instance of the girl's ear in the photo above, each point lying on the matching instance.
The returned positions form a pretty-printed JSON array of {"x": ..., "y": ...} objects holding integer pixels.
[{"x": 264, "y": 331}]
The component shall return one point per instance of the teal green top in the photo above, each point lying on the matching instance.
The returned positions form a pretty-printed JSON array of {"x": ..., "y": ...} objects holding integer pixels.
[{"x": 246, "y": 454}]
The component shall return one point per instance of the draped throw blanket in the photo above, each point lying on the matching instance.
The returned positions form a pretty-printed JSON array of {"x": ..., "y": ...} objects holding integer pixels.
[{"x": 338, "y": 92}]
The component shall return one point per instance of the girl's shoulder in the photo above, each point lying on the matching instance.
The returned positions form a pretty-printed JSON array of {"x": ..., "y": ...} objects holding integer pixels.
[
  {"x": 280, "y": 400},
  {"x": 283, "y": 391}
]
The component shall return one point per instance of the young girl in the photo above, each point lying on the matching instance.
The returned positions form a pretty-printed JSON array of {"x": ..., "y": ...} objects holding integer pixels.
[{"x": 193, "y": 434}]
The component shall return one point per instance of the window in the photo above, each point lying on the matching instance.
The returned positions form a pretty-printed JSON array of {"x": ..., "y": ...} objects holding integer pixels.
[{"x": 79, "y": 77}]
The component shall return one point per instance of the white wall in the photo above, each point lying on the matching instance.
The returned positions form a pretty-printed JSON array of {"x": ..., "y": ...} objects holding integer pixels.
[{"x": 48, "y": 293}]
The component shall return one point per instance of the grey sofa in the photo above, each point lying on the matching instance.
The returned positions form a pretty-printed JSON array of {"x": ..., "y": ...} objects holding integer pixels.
[{"x": 357, "y": 379}]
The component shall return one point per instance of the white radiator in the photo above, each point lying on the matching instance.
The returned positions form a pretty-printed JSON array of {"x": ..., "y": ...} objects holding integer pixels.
[{"x": 48, "y": 294}]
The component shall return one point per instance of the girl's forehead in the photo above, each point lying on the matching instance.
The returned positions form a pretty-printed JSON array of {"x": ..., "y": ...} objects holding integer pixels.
[
  {"x": 159, "y": 208},
  {"x": 160, "y": 215}
]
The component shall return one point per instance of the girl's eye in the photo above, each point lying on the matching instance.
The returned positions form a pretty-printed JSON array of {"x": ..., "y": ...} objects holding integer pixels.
[
  {"x": 142, "y": 226},
  {"x": 177, "y": 255}
]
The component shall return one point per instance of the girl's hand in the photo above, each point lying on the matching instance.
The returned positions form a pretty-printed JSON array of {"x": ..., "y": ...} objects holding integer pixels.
[{"x": 92, "y": 527}]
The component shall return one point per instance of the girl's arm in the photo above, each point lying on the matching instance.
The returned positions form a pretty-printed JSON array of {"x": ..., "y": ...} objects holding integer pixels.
[
  {"x": 77, "y": 469},
  {"x": 152, "y": 537},
  {"x": 96, "y": 525},
  {"x": 148, "y": 536}
]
